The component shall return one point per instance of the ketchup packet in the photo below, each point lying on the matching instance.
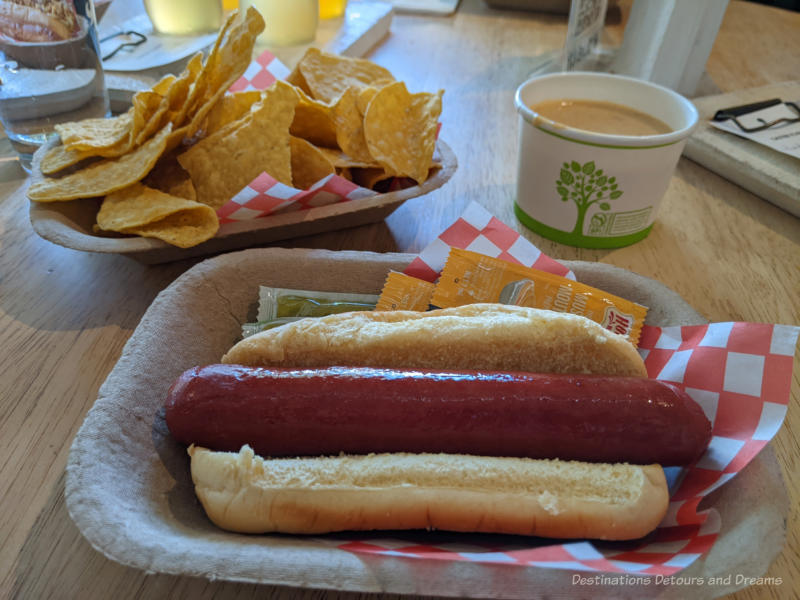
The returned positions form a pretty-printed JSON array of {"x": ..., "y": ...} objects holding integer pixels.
[
  {"x": 469, "y": 278},
  {"x": 403, "y": 292}
]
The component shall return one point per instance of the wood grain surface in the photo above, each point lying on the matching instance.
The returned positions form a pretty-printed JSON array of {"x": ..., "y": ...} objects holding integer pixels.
[{"x": 65, "y": 315}]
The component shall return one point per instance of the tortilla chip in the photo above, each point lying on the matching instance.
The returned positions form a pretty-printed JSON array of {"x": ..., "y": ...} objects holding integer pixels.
[
  {"x": 369, "y": 177},
  {"x": 174, "y": 95},
  {"x": 103, "y": 177},
  {"x": 340, "y": 160},
  {"x": 309, "y": 165},
  {"x": 162, "y": 85},
  {"x": 109, "y": 137},
  {"x": 145, "y": 104},
  {"x": 169, "y": 177},
  {"x": 400, "y": 130},
  {"x": 329, "y": 75},
  {"x": 144, "y": 211},
  {"x": 350, "y": 127},
  {"x": 178, "y": 92},
  {"x": 313, "y": 121},
  {"x": 142, "y": 120},
  {"x": 59, "y": 158},
  {"x": 297, "y": 80},
  {"x": 235, "y": 51},
  {"x": 230, "y": 108},
  {"x": 365, "y": 95},
  {"x": 94, "y": 134},
  {"x": 227, "y": 62},
  {"x": 185, "y": 228},
  {"x": 198, "y": 90},
  {"x": 148, "y": 121},
  {"x": 222, "y": 164}
]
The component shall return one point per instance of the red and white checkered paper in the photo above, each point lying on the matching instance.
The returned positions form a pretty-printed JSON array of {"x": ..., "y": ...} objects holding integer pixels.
[
  {"x": 480, "y": 231},
  {"x": 265, "y": 195},
  {"x": 265, "y": 70},
  {"x": 739, "y": 373}
]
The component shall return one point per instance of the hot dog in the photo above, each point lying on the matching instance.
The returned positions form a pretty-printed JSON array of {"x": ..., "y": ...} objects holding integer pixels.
[
  {"x": 403, "y": 479},
  {"x": 302, "y": 412},
  {"x": 488, "y": 337}
]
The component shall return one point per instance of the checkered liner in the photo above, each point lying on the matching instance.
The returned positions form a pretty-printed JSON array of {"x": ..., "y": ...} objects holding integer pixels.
[
  {"x": 739, "y": 373},
  {"x": 479, "y": 231},
  {"x": 265, "y": 70},
  {"x": 265, "y": 195}
]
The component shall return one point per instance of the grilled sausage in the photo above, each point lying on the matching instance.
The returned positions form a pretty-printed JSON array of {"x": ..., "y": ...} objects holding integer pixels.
[{"x": 309, "y": 412}]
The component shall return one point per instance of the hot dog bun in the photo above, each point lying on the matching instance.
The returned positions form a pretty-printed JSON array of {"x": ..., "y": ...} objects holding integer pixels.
[
  {"x": 475, "y": 336},
  {"x": 244, "y": 493}
]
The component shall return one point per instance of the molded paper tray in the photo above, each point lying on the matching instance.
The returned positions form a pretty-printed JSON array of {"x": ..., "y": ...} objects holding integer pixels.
[
  {"x": 129, "y": 490},
  {"x": 70, "y": 223}
]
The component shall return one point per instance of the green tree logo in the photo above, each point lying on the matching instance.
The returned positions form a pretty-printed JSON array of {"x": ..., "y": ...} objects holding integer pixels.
[{"x": 585, "y": 185}]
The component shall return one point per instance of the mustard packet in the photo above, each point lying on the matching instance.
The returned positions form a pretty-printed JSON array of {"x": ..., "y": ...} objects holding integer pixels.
[
  {"x": 469, "y": 278},
  {"x": 403, "y": 292}
]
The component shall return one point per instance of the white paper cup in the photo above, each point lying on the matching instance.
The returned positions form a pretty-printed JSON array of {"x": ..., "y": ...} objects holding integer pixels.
[{"x": 596, "y": 190}]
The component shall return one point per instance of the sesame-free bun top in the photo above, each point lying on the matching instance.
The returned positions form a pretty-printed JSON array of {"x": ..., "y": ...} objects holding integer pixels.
[{"x": 494, "y": 337}]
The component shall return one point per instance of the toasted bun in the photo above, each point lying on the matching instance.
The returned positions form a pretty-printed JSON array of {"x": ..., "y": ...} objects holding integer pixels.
[
  {"x": 550, "y": 498},
  {"x": 475, "y": 336}
]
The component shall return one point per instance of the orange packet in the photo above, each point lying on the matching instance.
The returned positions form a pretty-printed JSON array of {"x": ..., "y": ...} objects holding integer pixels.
[
  {"x": 469, "y": 278},
  {"x": 403, "y": 292}
]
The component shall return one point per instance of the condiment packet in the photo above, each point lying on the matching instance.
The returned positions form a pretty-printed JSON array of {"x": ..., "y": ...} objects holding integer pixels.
[
  {"x": 469, "y": 278},
  {"x": 403, "y": 292},
  {"x": 277, "y": 306},
  {"x": 275, "y": 303}
]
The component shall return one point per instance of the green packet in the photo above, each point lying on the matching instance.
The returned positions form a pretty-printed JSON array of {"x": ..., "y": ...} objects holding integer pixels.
[{"x": 278, "y": 306}]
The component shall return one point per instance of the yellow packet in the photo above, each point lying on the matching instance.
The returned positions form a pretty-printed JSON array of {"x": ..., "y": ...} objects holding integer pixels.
[
  {"x": 403, "y": 292},
  {"x": 469, "y": 278}
]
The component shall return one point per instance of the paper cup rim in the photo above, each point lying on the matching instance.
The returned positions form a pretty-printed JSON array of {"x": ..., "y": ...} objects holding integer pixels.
[{"x": 606, "y": 139}]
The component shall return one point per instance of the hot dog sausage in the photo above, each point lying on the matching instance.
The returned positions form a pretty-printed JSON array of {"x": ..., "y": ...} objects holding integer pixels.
[{"x": 297, "y": 412}]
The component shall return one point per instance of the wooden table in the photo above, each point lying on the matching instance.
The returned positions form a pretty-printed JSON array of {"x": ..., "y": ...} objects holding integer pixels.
[{"x": 65, "y": 315}]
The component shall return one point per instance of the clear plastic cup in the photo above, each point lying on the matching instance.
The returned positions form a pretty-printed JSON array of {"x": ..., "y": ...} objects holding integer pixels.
[
  {"x": 184, "y": 17},
  {"x": 287, "y": 23},
  {"x": 50, "y": 73}
]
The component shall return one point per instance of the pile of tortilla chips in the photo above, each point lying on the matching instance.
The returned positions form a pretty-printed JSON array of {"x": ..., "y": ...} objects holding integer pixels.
[
  {"x": 367, "y": 125},
  {"x": 188, "y": 145}
]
